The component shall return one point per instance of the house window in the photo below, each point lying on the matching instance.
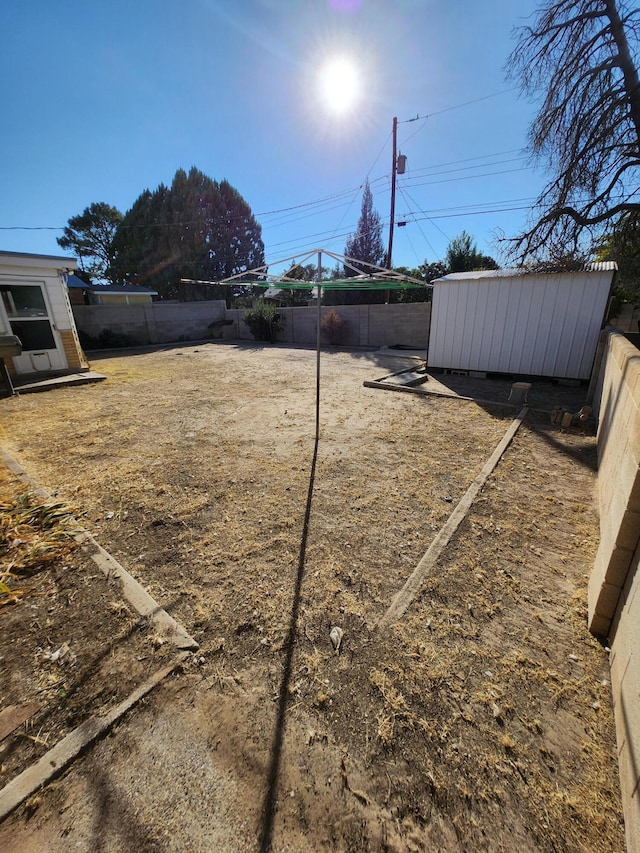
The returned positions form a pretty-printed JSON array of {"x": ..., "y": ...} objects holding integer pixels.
[
  {"x": 33, "y": 334},
  {"x": 22, "y": 300}
]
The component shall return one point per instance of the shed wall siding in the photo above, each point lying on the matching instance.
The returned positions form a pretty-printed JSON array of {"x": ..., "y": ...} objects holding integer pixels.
[{"x": 530, "y": 325}]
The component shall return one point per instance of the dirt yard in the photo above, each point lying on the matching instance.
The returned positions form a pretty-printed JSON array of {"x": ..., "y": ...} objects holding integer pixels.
[{"x": 481, "y": 720}]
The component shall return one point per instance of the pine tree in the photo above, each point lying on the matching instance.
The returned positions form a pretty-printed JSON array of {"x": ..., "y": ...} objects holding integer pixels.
[
  {"x": 90, "y": 237},
  {"x": 366, "y": 243}
]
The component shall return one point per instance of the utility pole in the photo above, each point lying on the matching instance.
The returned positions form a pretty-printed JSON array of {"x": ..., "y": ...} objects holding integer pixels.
[{"x": 393, "y": 190}]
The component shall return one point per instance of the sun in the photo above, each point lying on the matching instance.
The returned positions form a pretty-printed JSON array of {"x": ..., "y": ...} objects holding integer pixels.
[{"x": 339, "y": 84}]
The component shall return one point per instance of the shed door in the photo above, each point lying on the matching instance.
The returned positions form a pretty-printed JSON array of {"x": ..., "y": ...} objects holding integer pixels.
[{"x": 27, "y": 314}]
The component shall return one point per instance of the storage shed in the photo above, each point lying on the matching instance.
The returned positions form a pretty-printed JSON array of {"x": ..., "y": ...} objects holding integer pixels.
[
  {"x": 34, "y": 306},
  {"x": 527, "y": 324}
]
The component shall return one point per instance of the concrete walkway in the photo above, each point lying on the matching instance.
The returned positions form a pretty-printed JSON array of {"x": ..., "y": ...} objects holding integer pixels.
[{"x": 27, "y": 385}]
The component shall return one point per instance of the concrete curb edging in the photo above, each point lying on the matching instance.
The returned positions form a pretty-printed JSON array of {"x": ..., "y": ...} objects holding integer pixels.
[
  {"x": 427, "y": 392},
  {"x": 136, "y": 594},
  {"x": 132, "y": 590},
  {"x": 405, "y": 596},
  {"x": 53, "y": 762}
]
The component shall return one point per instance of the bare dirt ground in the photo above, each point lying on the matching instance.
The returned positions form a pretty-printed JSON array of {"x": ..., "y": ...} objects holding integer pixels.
[{"x": 481, "y": 721}]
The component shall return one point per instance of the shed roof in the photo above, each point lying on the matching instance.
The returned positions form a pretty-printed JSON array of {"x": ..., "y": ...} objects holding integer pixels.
[{"x": 513, "y": 272}]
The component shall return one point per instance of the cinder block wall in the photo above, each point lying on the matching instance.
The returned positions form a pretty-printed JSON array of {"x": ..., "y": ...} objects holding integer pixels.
[
  {"x": 366, "y": 325},
  {"x": 154, "y": 323},
  {"x": 157, "y": 323},
  {"x": 614, "y": 594}
]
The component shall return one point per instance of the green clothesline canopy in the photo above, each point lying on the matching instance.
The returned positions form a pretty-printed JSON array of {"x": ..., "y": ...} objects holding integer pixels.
[
  {"x": 355, "y": 283},
  {"x": 376, "y": 278}
]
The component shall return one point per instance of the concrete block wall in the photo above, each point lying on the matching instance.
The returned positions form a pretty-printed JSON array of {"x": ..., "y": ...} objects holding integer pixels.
[
  {"x": 366, "y": 325},
  {"x": 614, "y": 596},
  {"x": 618, "y": 409},
  {"x": 154, "y": 323},
  {"x": 625, "y": 682}
]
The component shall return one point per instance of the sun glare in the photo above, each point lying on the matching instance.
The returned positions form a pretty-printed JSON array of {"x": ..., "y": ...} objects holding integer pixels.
[{"x": 339, "y": 84}]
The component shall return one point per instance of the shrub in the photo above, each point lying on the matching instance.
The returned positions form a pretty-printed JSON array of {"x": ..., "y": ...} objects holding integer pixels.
[
  {"x": 334, "y": 328},
  {"x": 106, "y": 340},
  {"x": 264, "y": 322}
]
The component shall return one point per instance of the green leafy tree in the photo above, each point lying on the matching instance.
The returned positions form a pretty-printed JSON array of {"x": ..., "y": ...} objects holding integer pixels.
[
  {"x": 431, "y": 271},
  {"x": 463, "y": 256},
  {"x": 622, "y": 244},
  {"x": 90, "y": 237},
  {"x": 411, "y": 294},
  {"x": 197, "y": 228},
  {"x": 580, "y": 56}
]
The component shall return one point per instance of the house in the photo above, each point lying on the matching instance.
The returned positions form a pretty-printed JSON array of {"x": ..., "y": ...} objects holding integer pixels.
[
  {"x": 34, "y": 306},
  {"x": 81, "y": 293},
  {"x": 519, "y": 323}
]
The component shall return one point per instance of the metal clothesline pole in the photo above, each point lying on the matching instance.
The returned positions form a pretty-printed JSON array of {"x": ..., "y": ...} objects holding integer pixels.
[{"x": 318, "y": 280}]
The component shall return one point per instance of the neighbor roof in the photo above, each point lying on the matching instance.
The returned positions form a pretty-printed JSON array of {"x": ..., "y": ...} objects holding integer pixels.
[{"x": 74, "y": 281}]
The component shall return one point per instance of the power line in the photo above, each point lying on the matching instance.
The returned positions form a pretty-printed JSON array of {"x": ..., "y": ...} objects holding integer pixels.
[
  {"x": 422, "y": 211},
  {"x": 402, "y": 191},
  {"x": 459, "y": 106}
]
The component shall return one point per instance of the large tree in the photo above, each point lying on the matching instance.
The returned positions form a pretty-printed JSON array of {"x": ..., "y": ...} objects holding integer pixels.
[
  {"x": 366, "y": 243},
  {"x": 582, "y": 56},
  {"x": 622, "y": 244},
  {"x": 463, "y": 256},
  {"x": 197, "y": 228},
  {"x": 90, "y": 237}
]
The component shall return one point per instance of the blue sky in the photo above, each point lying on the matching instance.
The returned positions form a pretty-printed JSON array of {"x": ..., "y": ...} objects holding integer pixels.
[{"x": 102, "y": 100}]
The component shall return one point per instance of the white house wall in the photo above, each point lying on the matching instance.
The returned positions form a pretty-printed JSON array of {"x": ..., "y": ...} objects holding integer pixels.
[
  {"x": 540, "y": 325},
  {"x": 47, "y": 271},
  {"x": 54, "y": 286}
]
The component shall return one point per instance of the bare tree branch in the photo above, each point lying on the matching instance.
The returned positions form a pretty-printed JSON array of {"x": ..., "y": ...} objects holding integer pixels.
[{"x": 582, "y": 54}]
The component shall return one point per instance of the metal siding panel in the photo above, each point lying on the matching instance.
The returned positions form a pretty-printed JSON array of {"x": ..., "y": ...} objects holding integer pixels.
[
  {"x": 434, "y": 333},
  {"x": 438, "y": 320},
  {"x": 520, "y": 312},
  {"x": 512, "y": 300},
  {"x": 469, "y": 329},
  {"x": 532, "y": 298},
  {"x": 537, "y": 325},
  {"x": 581, "y": 295},
  {"x": 558, "y": 340},
  {"x": 497, "y": 306},
  {"x": 597, "y": 303},
  {"x": 480, "y": 331},
  {"x": 536, "y": 331},
  {"x": 529, "y": 329},
  {"x": 454, "y": 339},
  {"x": 448, "y": 324},
  {"x": 484, "y": 322}
]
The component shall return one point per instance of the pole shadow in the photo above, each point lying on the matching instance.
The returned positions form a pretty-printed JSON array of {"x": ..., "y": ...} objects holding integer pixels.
[{"x": 278, "y": 738}]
